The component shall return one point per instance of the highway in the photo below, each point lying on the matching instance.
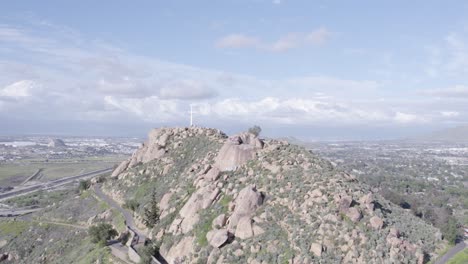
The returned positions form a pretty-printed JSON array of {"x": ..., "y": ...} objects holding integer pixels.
[
  {"x": 18, "y": 191},
  {"x": 16, "y": 212}
]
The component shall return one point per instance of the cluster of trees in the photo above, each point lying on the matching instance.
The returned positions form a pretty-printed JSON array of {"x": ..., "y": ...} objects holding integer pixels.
[{"x": 431, "y": 209}]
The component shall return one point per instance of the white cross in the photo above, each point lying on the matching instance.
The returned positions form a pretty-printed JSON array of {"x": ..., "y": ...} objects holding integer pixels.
[{"x": 191, "y": 115}]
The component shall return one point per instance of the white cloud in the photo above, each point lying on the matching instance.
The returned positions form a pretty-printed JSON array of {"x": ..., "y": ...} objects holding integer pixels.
[
  {"x": 319, "y": 36},
  {"x": 18, "y": 89},
  {"x": 302, "y": 111},
  {"x": 450, "y": 113},
  {"x": 92, "y": 81},
  {"x": 151, "y": 109},
  {"x": 457, "y": 91},
  {"x": 276, "y": 2},
  {"x": 186, "y": 90},
  {"x": 238, "y": 41},
  {"x": 407, "y": 118},
  {"x": 448, "y": 58},
  {"x": 286, "y": 42}
]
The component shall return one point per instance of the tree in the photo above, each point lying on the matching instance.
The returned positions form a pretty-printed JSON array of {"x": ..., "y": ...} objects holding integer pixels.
[
  {"x": 151, "y": 212},
  {"x": 256, "y": 130},
  {"x": 101, "y": 232},
  {"x": 450, "y": 231}
]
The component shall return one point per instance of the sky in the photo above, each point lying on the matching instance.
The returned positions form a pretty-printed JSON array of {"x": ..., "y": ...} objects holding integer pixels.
[{"x": 309, "y": 69}]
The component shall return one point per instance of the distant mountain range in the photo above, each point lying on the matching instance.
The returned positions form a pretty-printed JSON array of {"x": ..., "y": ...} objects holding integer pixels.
[{"x": 456, "y": 134}]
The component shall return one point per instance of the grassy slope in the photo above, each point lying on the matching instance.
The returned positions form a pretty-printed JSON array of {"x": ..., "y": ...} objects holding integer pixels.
[{"x": 37, "y": 239}]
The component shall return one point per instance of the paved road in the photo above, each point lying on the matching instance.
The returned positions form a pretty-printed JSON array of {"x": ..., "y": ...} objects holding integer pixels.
[
  {"x": 128, "y": 216},
  {"x": 50, "y": 184},
  {"x": 451, "y": 253},
  {"x": 34, "y": 175}
]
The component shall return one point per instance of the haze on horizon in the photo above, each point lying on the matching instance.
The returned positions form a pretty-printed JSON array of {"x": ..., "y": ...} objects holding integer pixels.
[{"x": 310, "y": 69}]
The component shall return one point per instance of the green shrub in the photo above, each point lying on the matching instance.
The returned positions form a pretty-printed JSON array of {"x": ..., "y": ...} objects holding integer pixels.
[
  {"x": 102, "y": 232},
  {"x": 132, "y": 204},
  {"x": 84, "y": 185},
  {"x": 255, "y": 130}
]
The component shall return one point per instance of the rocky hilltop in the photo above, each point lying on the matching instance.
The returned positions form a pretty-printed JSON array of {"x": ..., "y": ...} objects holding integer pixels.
[{"x": 242, "y": 199}]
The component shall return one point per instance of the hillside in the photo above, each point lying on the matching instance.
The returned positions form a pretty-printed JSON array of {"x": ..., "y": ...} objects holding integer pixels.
[{"x": 246, "y": 200}]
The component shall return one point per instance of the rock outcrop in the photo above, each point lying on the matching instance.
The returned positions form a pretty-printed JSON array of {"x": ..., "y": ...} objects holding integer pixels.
[
  {"x": 237, "y": 151},
  {"x": 157, "y": 144}
]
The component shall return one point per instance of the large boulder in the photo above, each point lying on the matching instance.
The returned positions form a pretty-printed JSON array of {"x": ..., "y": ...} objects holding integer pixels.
[
  {"x": 244, "y": 228},
  {"x": 219, "y": 221},
  {"x": 248, "y": 200},
  {"x": 344, "y": 202},
  {"x": 212, "y": 174},
  {"x": 237, "y": 151},
  {"x": 317, "y": 249},
  {"x": 122, "y": 166},
  {"x": 200, "y": 199},
  {"x": 376, "y": 222},
  {"x": 354, "y": 214},
  {"x": 181, "y": 251},
  {"x": 217, "y": 238}
]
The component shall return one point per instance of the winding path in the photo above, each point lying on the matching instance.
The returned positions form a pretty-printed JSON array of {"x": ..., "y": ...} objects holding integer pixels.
[
  {"x": 451, "y": 253},
  {"x": 128, "y": 216}
]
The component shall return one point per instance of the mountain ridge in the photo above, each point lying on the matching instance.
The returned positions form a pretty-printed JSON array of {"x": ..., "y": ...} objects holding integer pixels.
[{"x": 273, "y": 202}]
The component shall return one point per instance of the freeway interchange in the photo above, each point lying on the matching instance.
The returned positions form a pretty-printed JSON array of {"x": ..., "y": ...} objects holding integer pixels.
[{"x": 22, "y": 190}]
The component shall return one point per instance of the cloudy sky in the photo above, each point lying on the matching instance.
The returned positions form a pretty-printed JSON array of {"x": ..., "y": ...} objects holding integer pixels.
[{"x": 310, "y": 69}]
